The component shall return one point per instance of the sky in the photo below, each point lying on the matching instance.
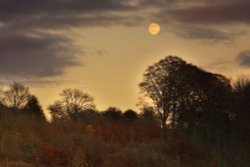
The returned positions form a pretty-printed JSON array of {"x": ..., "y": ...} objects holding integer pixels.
[{"x": 103, "y": 46}]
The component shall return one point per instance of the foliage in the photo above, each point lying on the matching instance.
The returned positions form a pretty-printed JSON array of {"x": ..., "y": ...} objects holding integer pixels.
[
  {"x": 241, "y": 107},
  {"x": 110, "y": 143},
  {"x": 148, "y": 113},
  {"x": 183, "y": 94},
  {"x": 19, "y": 100},
  {"x": 33, "y": 108},
  {"x": 112, "y": 113},
  {"x": 130, "y": 115}
]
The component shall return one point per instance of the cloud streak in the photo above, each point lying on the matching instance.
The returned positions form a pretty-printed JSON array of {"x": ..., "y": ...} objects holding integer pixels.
[
  {"x": 26, "y": 52},
  {"x": 41, "y": 55}
]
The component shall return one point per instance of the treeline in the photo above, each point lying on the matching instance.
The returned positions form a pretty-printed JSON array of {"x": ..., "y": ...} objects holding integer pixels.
[
  {"x": 191, "y": 112},
  {"x": 190, "y": 98},
  {"x": 73, "y": 105},
  {"x": 17, "y": 99},
  {"x": 205, "y": 108}
]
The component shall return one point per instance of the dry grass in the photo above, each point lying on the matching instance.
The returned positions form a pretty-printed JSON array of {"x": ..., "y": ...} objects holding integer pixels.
[{"x": 26, "y": 142}]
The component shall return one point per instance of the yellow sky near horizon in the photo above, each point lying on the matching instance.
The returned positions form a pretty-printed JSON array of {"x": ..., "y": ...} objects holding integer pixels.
[{"x": 112, "y": 76}]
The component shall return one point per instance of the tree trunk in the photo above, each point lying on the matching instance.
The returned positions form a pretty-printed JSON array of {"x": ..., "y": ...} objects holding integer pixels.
[{"x": 164, "y": 127}]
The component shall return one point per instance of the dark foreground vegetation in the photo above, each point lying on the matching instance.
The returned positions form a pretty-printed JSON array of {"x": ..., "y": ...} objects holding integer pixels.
[{"x": 189, "y": 118}]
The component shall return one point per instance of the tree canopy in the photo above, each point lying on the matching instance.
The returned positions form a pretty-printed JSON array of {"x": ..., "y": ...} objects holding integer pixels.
[
  {"x": 112, "y": 113},
  {"x": 130, "y": 115},
  {"x": 34, "y": 108},
  {"x": 183, "y": 94}
]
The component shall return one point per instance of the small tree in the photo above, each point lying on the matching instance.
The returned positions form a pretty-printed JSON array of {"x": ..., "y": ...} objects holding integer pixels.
[
  {"x": 57, "y": 110},
  {"x": 112, "y": 113},
  {"x": 147, "y": 113},
  {"x": 89, "y": 115},
  {"x": 16, "y": 96},
  {"x": 73, "y": 101},
  {"x": 130, "y": 115},
  {"x": 34, "y": 108}
]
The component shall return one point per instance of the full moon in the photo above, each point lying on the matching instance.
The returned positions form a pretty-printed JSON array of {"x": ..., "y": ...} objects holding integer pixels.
[{"x": 154, "y": 28}]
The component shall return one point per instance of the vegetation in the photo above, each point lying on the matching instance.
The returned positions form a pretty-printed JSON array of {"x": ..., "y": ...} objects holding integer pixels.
[
  {"x": 193, "y": 118},
  {"x": 16, "y": 96},
  {"x": 73, "y": 102}
]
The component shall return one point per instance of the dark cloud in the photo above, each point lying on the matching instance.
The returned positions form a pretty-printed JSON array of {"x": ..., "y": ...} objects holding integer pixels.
[
  {"x": 67, "y": 22},
  {"x": 243, "y": 59},
  {"x": 34, "y": 55},
  {"x": 200, "y": 19},
  {"x": 158, "y": 3},
  {"x": 26, "y": 52},
  {"x": 61, "y": 13},
  {"x": 13, "y": 9},
  {"x": 219, "y": 12}
]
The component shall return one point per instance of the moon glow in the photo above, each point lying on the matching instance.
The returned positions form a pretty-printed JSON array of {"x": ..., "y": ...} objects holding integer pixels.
[{"x": 154, "y": 28}]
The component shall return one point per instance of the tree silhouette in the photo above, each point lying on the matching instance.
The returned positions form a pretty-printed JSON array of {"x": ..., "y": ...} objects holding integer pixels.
[
  {"x": 241, "y": 104},
  {"x": 72, "y": 102},
  {"x": 89, "y": 115},
  {"x": 130, "y": 115},
  {"x": 112, "y": 113},
  {"x": 160, "y": 85},
  {"x": 16, "y": 96},
  {"x": 185, "y": 95},
  {"x": 204, "y": 99},
  {"x": 147, "y": 113},
  {"x": 34, "y": 108}
]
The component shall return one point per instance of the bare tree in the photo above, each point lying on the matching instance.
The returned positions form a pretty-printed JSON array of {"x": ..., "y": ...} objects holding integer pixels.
[
  {"x": 16, "y": 96},
  {"x": 73, "y": 101}
]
